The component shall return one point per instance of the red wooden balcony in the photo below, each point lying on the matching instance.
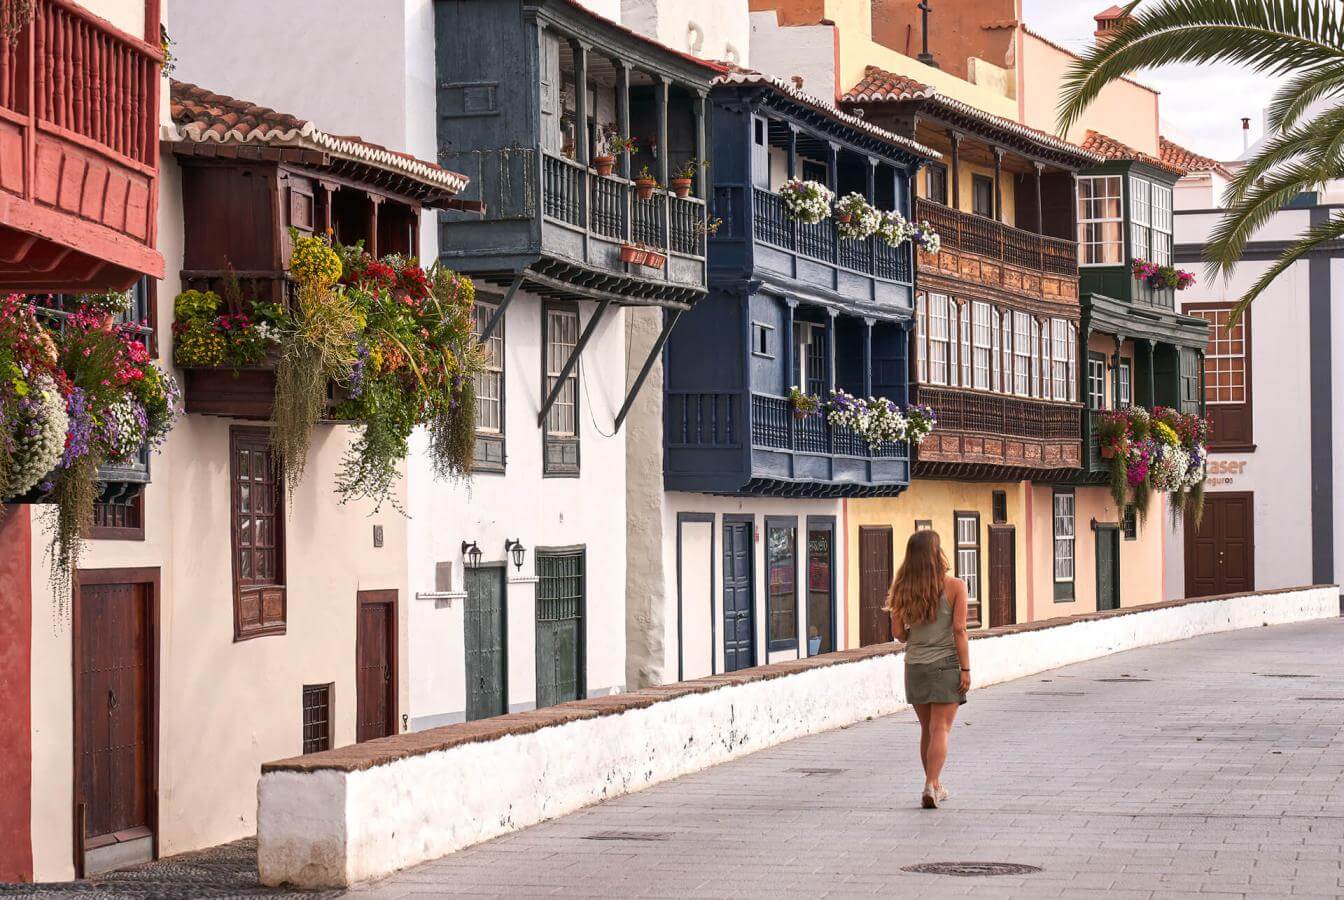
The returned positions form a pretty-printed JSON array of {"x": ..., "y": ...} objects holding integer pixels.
[{"x": 79, "y": 152}]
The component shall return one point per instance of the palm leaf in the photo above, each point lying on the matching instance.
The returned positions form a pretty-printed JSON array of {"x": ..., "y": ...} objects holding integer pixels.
[{"x": 1315, "y": 237}]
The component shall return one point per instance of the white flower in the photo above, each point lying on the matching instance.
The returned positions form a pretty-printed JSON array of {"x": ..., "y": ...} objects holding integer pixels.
[
  {"x": 807, "y": 202},
  {"x": 894, "y": 228},
  {"x": 39, "y": 437},
  {"x": 856, "y": 219}
]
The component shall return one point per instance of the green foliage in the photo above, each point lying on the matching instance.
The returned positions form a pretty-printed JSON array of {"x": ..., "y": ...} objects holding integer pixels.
[
  {"x": 1300, "y": 38},
  {"x": 195, "y": 305}
]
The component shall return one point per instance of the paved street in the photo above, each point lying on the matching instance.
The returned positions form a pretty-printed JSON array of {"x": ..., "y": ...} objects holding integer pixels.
[{"x": 1211, "y": 767}]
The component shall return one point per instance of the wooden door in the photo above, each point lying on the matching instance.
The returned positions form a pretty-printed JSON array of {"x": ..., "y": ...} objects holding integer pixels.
[
  {"x": 1002, "y": 576},
  {"x": 820, "y": 586},
  {"x": 376, "y": 665},
  {"x": 1108, "y": 567},
  {"x": 560, "y": 605},
  {"x": 484, "y": 625},
  {"x": 739, "y": 620},
  {"x": 115, "y": 704},
  {"x": 874, "y": 582},
  {"x": 1220, "y": 553}
]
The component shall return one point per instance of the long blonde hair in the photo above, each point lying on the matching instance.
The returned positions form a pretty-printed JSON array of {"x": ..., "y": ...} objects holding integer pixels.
[{"x": 920, "y": 582}]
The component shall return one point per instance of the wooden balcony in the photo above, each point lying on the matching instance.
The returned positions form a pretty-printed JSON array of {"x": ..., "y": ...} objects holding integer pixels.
[
  {"x": 981, "y": 434},
  {"x": 989, "y": 253},
  {"x": 79, "y": 153},
  {"x": 869, "y": 270},
  {"x": 712, "y": 447}
]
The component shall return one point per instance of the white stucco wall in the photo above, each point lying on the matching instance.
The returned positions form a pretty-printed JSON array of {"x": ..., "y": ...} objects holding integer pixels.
[
  {"x": 710, "y": 29},
  {"x": 329, "y": 828},
  {"x": 1278, "y": 471},
  {"x": 805, "y": 50},
  {"x": 523, "y": 505},
  {"x": 128, "y": 15}
]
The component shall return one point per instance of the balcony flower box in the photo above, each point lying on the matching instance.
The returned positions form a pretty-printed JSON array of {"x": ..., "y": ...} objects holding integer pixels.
[{"x": 655, "y": 259}]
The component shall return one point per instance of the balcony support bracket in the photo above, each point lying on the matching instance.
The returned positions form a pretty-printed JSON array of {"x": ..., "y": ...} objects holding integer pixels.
[
  {"x": 503, "y": 305},
  {"x": 572, "y": 361},
  {"x": 654, "y": 352}
]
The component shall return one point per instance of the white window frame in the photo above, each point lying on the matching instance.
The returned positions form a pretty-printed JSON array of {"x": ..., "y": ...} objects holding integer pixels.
[
  {"x": 1063, "y": 511},
  {"x": 966, "y": 531},
  {"x": 1059, "y": 359},
  {"x": 1037, "y": 363},
  {"x": 805, "y": 336},
  {"x": 939, "y": 341},
  {"x": 1162, "y": 224},
  {"x": 1096, "y": 382},
  {"x": 490, "y": 381},
  {"x": 1022, "y": 354},
  {"x": 981, "y": 345},
  {"x": 1092, "y": 211},
  {"x": 1125, "y": 396},
  {"x": 964, "y": 331}
]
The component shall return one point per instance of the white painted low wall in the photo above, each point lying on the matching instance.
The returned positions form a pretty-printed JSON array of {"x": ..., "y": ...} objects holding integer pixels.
[{"x": 327, "y": 827}]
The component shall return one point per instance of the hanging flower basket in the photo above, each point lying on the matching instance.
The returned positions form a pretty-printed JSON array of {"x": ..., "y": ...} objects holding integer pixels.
[
  {"x": 806, "y": 202},
  {"x": 894, "y": 229},
  {"x": 1161, "y": 277}
]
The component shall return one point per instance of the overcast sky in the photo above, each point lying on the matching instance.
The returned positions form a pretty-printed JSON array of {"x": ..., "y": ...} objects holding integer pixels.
[{"x": 1201, "y": 107}]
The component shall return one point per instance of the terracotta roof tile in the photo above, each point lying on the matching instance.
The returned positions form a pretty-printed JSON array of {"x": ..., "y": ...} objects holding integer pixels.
[
  {"x": 1174, "y": 154},
  {"x": 204, "y": 116},
  {"x": 881, "y": 86},
  {"x": 1109, "y": 148}
]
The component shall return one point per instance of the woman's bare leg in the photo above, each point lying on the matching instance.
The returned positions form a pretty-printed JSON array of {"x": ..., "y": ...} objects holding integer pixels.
[
  {"x": 941, "y": 716},
  {"x": 922, "y": 711}
]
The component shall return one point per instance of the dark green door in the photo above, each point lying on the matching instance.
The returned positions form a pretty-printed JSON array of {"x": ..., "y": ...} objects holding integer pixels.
[
  {"x": 560, "y": 587},
  {"x": 1108, "y": 567},
  {"x": 484, "y": 626}
]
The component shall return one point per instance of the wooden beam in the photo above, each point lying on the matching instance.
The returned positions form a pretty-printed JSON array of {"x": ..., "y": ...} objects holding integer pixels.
[
  {"x": 668, "y": 322},
  {"x": 498, "y": 316},
  {"x": 573, "y": 360}
]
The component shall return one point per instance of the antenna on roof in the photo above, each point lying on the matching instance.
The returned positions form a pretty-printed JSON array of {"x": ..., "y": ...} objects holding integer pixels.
[{"x": 925, "y": 56}]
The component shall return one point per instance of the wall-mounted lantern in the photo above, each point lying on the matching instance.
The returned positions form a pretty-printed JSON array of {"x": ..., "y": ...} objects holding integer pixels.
[
  {"x": 471, "y": 554},
  {"x": 516, "y": 549}
]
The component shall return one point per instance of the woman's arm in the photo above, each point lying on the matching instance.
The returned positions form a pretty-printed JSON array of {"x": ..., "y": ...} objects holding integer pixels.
[
  {"x": 898, "y": 629},
  {"x": 959, "y": 603}
]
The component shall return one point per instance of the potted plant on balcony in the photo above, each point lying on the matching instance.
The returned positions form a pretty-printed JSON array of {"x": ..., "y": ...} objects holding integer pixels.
[
  {"x": 653, "y": 257},
  {"x": 919, "y": 422},
  {"x": 803, "y": 406},
  {"x": 856, "y": 219},
  {"x": 1159, "y": 277},
  {"x": 107, "y": 306},
  {"x": 894, "y": 229},
  {"x": 613, "y": 144},
  {"x": 645, "y": 183},
  {"x": 632, "y": 253},
  {"x": 927, "y": 238},
  {"x": 806, "y": 202},
  {"x": 684, "y": 177}
]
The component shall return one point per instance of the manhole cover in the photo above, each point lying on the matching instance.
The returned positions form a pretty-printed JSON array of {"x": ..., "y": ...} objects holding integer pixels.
[
  {"x": 971, "y": 869},
  {"x": 1055, "y": 693},
  {"x": 806, "y": 771},
  {"x": 1125, "y": 680},
  {"x": 1282, "y": 675},
  {"x": 627, "y": 836}
]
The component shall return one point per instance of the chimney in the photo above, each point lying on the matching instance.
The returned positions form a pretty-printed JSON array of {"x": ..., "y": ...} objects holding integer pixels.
[
  {"x": 1245, "y": 134},
  {"x": 1109, "y": 21}
]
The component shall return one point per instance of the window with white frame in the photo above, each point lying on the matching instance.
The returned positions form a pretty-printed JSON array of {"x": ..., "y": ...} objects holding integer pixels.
[
  {"x": 938, "y": 338},
  {"x": 1100, "y": 220},
  {"x": 1096, "y": 381},
  {"x": 1006, "y": 364},
  {"x": 964, "y": 329},
  {"x": 967, "y": 528},
  {"x": 560, "y": 333},
  {"x": 489, "y": 449},
  {"x": 922, "y": 339},
  {"x": 1162, "y": 225},
  {"x": 996, "y": 358},
  {"x": 1022, "y": 354},
  {"x": 1037, "y": 365},
  {"x": 809, "y": 358},
  {"x": 1059, "y": 358},
  {"x": 1064, "y": 544},
  {"x": 1140, "y": 217},
  {"x": 982, "y": 328},
  {"x": 1125, "y": 390}
]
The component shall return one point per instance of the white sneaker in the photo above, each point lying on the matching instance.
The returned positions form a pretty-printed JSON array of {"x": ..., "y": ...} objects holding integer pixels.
[
  {"x": 943, "y": 795},
  {"x": 929, "y": 800}
]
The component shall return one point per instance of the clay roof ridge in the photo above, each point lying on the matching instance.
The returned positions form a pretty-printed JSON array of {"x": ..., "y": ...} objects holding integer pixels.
[
  {"x": 1174, "y": 154},
  {"x": 1110, "y": 148}
]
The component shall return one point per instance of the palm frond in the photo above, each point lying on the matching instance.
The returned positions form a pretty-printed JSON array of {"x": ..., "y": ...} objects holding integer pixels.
[
  {"x": 1317, "y": 236},
  {"x": 1272, "y": 36},
  {"x": 1292, "y": 100},
  {"x": 1320, "y": 139}
]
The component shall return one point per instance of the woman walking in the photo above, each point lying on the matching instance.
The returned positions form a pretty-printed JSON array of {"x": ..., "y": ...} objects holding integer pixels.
[{"x": 928, "y": 613}]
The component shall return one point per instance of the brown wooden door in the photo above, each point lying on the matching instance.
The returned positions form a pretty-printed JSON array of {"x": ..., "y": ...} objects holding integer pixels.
[
  {"x": 1002, "y": 576},
  {"x": 874, "y": 581},
  {"x": 376, "y": 665},
  {"x": 114, "y": 709},
  {"x": 1220, "y": 553}
]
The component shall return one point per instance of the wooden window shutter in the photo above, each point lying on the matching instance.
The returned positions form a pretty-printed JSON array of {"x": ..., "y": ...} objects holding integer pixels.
[{"x": 256, "y": 535}]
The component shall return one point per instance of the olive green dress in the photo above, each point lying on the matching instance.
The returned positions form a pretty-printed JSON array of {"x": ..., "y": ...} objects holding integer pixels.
[{"x": 932, "y": 668}]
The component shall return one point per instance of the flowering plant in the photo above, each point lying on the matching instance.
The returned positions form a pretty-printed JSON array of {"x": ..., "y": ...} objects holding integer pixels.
[
  {"x": 878, "y": 420},
  {"x": 927, "y": 238},
  {"x": 804, "y": 405},
  {"x": 894, "y": 228},
  {"x": 919, "y": 422},
  {"x": 1159, "y": 451},
  {"x": 75, "y": 393},
  {"x": 807, "y": 202},
  {"x": 1161, "y": 276},
  {"x": 856, "y": 220}
]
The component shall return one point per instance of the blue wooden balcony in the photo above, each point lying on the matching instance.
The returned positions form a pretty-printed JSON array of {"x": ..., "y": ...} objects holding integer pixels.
[{"x": 712, "y": 446}]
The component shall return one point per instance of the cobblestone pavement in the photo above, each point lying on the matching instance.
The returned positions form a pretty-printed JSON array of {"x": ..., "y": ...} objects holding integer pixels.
[{"x": 1212, "y": 767}]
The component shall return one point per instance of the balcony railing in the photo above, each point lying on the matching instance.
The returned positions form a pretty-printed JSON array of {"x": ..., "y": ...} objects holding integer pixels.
[
  {"x": 996, "y": 415},
  {"x": 610, "y": 207},
  {"x": 1001, "y": 243},
  {"x": 774, "y": 426},
  {"x": 89, "y": 83},
  {"x": 871, "y": 256}
]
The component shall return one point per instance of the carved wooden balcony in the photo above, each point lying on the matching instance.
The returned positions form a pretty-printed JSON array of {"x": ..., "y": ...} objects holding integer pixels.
[
  {"x": 989, "y": 253},
  {"x": 994, "y": 435},
  {"x": 79, "y": 153}
]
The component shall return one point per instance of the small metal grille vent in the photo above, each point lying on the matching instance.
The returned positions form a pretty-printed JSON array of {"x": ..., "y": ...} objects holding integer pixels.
[{"x": 971, "y": 869}]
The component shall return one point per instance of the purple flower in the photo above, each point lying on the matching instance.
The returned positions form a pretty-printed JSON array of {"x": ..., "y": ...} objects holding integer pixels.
[
  {"x": 79, "y": 438},
  {"x": 357, "y": 372}
]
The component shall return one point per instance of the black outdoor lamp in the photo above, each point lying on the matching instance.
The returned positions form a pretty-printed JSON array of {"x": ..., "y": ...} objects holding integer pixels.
[
  {"x": 516, "y": 549},
  {"x": 471, "y": 554}
]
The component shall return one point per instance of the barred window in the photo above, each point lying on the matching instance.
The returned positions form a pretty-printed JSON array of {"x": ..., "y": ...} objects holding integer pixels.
[
  {"x": 1064, "y": 544},
  {"x": 317, "y": 717}
]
